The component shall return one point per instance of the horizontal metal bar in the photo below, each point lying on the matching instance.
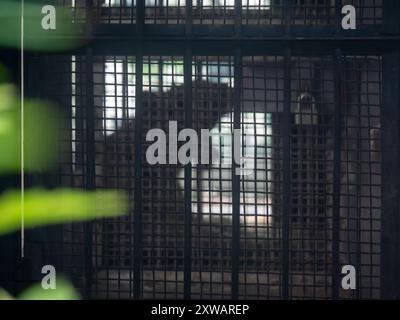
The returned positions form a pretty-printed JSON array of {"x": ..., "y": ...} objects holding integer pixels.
[
  {"x": 262, "y": 32},
  {"x": 217, "y": 46}
]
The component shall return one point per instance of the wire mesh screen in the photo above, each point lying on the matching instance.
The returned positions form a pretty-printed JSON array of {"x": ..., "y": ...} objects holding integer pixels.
[
  {"x": 316, "y": 12},
  {"x": 261, "y": 188},
  {"x": 305, "y": 199},
  {"x": 334, "y": 181},
  {"x": 162, "y": 197},
  {"x": 361, "y": 172},
  {"x": 217, "y": 12},
  {"x": 312, "y": 106},
  {"x": 211, "y": 184}
]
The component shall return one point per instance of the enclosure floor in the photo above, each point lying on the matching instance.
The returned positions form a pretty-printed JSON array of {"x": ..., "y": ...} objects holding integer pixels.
[{"x": 158, "y": 284}]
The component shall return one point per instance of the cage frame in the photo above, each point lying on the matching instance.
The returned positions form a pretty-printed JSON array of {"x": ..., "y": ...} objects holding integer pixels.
[{"x": 239, "y": 40}]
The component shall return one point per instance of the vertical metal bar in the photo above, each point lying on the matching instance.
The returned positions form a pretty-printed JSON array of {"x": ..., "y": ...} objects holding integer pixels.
[
  {"x": 189, "y": 17},
  {"x": 90, "y": 182},
  {"x": 338, "y": 15},
  {"x": 237, "y": 95},
  {"x": 390, "y": 239},
  {"x": 238, "y": 17},
  {"x": 138, "y": 228},
  {"x": 137, "y": 262},
  {"x": 286, "y": 195},
  {"x": 390, "y": 137},
  {"x": 287, "y": 15},
  {"x": 140, "y": 13},
  {"x": 89, "y": 18},
  {"x": 235, "y": 175},
  {"x": 286, "y": 164},
  {"x": 391, "y": 16},
  {"x": 130, "y": 150},
  {"x": 188, "y": 178},
  {"x": 336, "y": 173}
]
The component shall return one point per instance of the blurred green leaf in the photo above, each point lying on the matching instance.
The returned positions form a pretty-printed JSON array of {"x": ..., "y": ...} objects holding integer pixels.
[
  {"x": 41, "y": 132},
  {"x": 44, "y": 207},
  {"x": 65, "y": 35},
  {"x": 4, "y": 295},
  {"x": 4, "y": 74},
  {"x": 64, "y": 291}
]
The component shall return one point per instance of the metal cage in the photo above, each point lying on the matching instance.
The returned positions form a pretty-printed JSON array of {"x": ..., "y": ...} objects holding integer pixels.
[{"x": 319, "y": 105}]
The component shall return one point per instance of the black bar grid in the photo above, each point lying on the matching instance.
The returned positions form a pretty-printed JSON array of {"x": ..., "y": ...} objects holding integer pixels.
[
  {"x": 279, "y": 242},
  {"x": 312, "y": 125},
  {"x": 218, "y": 12},
  {"x": 261, "y": 190}
]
